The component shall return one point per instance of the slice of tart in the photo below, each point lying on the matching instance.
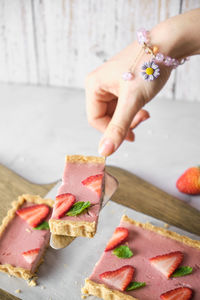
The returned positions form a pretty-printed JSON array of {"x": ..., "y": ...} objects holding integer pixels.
[
  {"x": 24, "y": 236},
  {"x": 79, "y": 199},
  {"x": 164, "y": 264}
]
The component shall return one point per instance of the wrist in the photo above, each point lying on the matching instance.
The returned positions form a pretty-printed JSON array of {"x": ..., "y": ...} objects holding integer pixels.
[{"x": 177, "y": 37}]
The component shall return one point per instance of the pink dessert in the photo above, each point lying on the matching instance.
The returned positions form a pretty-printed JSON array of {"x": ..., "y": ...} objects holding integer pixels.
[
  {"x": 22, "y": 245},
  {"x": 83, "y": 179},
  {"x": 147, "y": 241}
]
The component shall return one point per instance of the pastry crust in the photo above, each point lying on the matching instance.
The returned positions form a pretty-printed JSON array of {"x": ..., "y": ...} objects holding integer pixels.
[
  {"x": 84, "y": 159},
  {"x": 72, "y": 228},
  {"x": 7, "y": 268},
  {"x": 102, "y": 291},
  {"x": 162, "y": 231},
  {"x": 76, "y": 228}
]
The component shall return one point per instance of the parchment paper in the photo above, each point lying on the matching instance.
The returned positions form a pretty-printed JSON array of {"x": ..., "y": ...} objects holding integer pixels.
[{"x": 62, "y": 274}]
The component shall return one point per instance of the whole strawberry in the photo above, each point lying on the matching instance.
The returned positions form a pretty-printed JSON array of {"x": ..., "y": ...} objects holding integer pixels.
[{"x": 189, "y": 182}]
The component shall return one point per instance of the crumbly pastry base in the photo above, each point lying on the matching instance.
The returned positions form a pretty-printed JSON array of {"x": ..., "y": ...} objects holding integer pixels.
[
  {"x": 21, "y": 272},
  {"x": 72, "y": 228},
  {"x": 84, "y": 159},
  {"x": 76, "y": 228},
  {"x": 162, "y": 231},
  {"x": 7, "y": 268},
  {"x": 102, "y": 291}
]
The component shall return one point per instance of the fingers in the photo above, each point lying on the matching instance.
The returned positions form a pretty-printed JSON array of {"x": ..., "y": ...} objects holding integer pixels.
[
  {"x": 101, "y": 122},
  {"x": 115, "y": 117},
  {"x": 100, "y": 104},
  {"x": 141, "y": 116},
  {"x": 119, "y": 127}
]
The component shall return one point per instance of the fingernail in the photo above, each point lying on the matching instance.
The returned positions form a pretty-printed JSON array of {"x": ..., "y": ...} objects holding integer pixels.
[
  {"x": 106, "y": 147},
  {"x": 145, "y": 118},
  {"x": 131, "y": 137}
]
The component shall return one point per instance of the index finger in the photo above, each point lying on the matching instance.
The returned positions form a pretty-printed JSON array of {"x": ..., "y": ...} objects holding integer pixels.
[{"x": 98, "y": 102}]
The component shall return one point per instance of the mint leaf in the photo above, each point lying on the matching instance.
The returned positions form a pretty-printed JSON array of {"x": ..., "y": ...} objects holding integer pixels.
[
  {"x": 123, "y": 251},
  {"x": 43, "y": 226},
  {"x": 78, "y": 208},
  {"x": 182, "y": 271},
  {"x": 135, "y": 285}
]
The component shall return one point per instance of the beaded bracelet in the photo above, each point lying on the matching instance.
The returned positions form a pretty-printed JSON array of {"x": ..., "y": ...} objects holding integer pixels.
[{"x": 151, "y": 70}]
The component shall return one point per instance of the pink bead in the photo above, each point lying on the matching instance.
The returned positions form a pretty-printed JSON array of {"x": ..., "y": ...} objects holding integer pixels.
[
  {"x": 168, "y": 61},
  {"x": 159, "y": 57},
  {"x": 182, "y": 61},
  {"x": 142, "y": 36},
  {"x": 175, "y": 63},
  {"x": 127, "y": 76}
]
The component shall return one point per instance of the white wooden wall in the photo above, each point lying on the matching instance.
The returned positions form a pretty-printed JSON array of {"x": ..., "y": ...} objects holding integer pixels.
[{"x": 57, "y": 42}]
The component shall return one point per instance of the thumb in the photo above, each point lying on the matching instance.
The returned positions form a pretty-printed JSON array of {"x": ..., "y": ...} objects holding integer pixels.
[{"x": 118, "y": 128}]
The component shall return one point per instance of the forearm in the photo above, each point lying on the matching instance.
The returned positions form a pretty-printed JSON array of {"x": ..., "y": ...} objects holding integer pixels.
[{"x": 178, "y": 36}]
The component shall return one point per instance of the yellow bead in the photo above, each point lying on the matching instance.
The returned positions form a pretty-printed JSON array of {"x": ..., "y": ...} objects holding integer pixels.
[
  {"x": 149, "y": 71},
  {"x": 155, "y": 50}
]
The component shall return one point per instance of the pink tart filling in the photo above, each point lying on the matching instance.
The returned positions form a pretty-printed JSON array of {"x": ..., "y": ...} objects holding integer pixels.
[
  {"x": 144, "y": 245},
  {"x": 74, "y": 174},
  {"x": 20, "y": 237}
]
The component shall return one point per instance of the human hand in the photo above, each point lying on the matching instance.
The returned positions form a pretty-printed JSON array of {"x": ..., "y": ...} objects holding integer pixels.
[{"x": 114, "y": 106}]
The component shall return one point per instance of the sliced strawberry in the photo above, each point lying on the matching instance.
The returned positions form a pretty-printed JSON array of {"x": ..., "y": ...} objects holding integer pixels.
[
  {"x": 62, "y": 204},
  {"x": 167, "y": 263},
  {"x": 31, "y": 255},
  {"x": 119, "y": 278},
  {"x": 119, "y": 236},
  {"x": 34, "y": 214},
  {"x": 94, "y": 183},
  {"x": 182, "y": 293}
]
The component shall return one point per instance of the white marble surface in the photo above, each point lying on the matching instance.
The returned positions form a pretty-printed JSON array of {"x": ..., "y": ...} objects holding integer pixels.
[{"x": 38, "y": 126}]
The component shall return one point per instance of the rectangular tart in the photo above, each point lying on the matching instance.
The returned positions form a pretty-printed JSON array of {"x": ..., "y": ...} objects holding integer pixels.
[
  {"x": 82, "y": 175},
  {"x": 146, "y": 241},
  {"x": 19, "y": 240}
]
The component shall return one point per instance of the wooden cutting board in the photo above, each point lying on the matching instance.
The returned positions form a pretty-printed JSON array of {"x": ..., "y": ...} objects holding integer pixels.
[{"x": 133, "y": 192}]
